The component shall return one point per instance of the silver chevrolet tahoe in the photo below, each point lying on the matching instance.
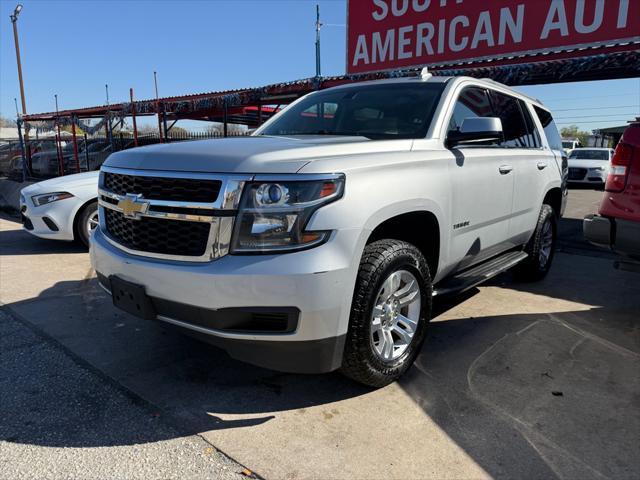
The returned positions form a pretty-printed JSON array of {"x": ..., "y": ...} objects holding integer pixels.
[{"x": 319, "y": 242}]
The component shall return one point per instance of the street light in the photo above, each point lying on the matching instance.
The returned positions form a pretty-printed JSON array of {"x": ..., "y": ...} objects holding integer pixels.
[{"x": 14, "y": 21}]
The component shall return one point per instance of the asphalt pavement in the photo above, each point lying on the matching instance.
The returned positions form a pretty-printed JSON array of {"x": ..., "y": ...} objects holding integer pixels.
[
  {"x": 514, "y": 381},
  {"x": 60, "y": 418}
]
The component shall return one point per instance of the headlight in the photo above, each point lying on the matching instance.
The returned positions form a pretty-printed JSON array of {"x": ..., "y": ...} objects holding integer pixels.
[
  {"x": 273, "y": 214},
  {"x": 40, "y": 200}
]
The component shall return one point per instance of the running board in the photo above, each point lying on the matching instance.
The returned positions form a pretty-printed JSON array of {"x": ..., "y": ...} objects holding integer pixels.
[{"x": 478, "y": 274}]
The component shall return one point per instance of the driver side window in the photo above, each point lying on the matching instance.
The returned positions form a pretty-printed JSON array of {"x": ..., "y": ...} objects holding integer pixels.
[{"x": 472, "y": 102}]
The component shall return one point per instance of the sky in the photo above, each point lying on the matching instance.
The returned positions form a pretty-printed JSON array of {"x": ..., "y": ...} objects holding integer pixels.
[{"x": 72, "y": 48}]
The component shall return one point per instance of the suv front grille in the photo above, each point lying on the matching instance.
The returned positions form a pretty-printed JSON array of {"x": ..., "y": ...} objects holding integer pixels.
[
  {"x": 169, "y": 237},
  {"x": 161, "y": 188}
]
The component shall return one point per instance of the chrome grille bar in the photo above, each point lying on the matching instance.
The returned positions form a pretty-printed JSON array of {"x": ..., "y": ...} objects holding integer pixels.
[{"x": 219, "y": 214}]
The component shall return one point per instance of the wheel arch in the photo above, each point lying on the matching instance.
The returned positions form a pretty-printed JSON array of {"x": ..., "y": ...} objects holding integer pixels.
[
  {"x": 78, "y": 212},
  {"x": 553, "y": 198},
  {"x": 418, "y": 227}
]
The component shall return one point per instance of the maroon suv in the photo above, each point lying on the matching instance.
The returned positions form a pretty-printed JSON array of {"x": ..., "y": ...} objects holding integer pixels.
[{"x": 617, "y": 226}]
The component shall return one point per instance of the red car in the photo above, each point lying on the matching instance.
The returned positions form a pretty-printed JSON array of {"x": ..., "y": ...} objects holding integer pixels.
[{"x": 617, "y": 226}]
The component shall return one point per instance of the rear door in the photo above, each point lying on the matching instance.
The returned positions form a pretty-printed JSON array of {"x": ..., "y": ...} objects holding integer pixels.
[
  {"x": 531, "y": 164},
  {"x": 553, "y": 141},
  {"x": 482, "y": 187}
]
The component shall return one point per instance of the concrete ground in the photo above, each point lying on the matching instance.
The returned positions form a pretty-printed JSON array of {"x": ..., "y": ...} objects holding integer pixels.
[{"x": 515, "y": 381}]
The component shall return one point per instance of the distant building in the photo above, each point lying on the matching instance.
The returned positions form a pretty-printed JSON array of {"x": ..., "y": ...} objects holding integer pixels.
[
  {"x": 607, "y": 137},
  {"x": 8, "y": 133}
]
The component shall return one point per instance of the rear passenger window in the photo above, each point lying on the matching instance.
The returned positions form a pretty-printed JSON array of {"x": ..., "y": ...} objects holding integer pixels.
[
  {"x": 533, "y": 137},
  {"x": 550, "y": 129},
  {"x": 472, "y": 102},
  {"x": 516, "y": 132}
]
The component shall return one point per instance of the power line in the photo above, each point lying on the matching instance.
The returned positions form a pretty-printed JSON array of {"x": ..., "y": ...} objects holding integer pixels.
[
  {"x": 628, "y": 94},
  {"x": 591, "y": 108},
  {"x": 591, "y": 116},
  {"x": 594, "y": 121}
]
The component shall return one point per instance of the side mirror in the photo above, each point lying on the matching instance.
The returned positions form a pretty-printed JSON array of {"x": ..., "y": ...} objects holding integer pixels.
[{"x": 476, "y": 130}]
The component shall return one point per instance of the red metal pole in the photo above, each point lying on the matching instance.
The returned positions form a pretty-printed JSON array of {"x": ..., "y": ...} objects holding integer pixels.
[
  {"x": 75, "y": 145},
  {"x": 133, "y": 115},
  {"x": 59, "y": 151}
]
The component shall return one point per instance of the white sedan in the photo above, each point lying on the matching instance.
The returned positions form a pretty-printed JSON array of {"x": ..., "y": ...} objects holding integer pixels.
[
  {"x": 589, "y": 165},
  {"x": 63, "y": 208}
]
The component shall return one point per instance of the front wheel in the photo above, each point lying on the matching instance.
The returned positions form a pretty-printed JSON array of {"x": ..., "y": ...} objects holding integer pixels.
[
  {"x": 390, "y": 310},
  {"x": 541, "y": 247},
  {"x": 87, "y": 223}
]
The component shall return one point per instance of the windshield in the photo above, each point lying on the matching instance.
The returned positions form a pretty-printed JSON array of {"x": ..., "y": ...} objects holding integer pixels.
[
  {"x": 391, "y": 111},
  {"x": 590, "y": 154},
  {"x": 567, "y": 144}
]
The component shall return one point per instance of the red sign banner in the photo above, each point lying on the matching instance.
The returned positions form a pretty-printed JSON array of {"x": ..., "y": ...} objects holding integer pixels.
[{"x": 393, "y": 34}]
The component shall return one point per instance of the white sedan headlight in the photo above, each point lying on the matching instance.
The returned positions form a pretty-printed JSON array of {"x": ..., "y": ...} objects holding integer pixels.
[{"x": 46, "y": 198}]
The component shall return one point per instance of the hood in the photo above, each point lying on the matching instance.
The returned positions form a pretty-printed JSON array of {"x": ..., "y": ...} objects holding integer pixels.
[
  {"x": 63, "y": 184},
  {"x": 583, "y": 163},
  {"x": 259, "y": 154}
]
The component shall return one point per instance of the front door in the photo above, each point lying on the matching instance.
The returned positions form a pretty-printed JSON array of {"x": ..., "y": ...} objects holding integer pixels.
[{"x": 482, "y": 182}]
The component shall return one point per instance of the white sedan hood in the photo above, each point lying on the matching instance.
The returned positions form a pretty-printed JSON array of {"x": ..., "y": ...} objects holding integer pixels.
[
  {"x": 248, "y": 154},
  {"x": 80, "y": 185},
  {"x": 582, "y": 163}
]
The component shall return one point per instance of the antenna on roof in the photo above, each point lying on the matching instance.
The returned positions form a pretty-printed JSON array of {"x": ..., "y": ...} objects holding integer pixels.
[{"x": 425, "y": 74}]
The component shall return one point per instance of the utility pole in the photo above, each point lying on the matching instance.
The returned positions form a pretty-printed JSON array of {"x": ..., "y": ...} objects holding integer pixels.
[
  {"x": 155, "y": 81},
  {"x": 318, "y": 27},
  {"x": 25, "y": 172},
  {"x": 14, "y": 22}
]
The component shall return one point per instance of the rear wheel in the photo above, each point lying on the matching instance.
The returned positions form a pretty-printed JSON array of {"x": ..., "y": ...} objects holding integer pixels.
[
  {"x": 541, "y": 247},
  {"x": 390, "y": 310},
  {"x": 87, "y": 223}
]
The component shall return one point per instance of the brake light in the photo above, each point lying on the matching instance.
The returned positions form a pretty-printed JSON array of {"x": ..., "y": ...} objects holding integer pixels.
[{"x": 620, "y": 167}]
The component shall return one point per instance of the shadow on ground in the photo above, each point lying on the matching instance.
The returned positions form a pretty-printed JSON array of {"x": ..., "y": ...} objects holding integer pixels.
[
  {"x": 18, "y": 242},
  {"x": 524, "y": 395}
]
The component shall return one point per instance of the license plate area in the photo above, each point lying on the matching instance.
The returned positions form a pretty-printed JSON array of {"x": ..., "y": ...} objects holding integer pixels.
[{"x": 131, "y": 298}]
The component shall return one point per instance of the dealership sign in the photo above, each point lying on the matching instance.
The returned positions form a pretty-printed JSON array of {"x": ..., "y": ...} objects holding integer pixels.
[{"x": 393, "y": 34}]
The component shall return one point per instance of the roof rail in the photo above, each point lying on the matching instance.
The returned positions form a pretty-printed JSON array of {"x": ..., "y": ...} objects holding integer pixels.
[{"x": 490, "y": 80}]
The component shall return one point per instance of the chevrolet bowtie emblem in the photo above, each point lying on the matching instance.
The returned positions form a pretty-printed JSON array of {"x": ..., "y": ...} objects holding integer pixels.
[{"x": 132, "y": 206}]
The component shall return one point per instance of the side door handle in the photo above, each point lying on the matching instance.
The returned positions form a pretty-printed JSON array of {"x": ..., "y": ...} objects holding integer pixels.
[
  {"x": 504, "y": 169},
  {"x": 542, "y": 165}
]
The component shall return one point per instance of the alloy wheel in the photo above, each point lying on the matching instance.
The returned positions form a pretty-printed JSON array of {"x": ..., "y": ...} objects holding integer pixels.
[
  {"x": 396, "y": 315},
  {"x": 546, "y": 243},
  {"x": 92, "y": 223}
]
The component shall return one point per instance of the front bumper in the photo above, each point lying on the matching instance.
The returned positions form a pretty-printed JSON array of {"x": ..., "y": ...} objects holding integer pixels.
[
  {"x": 584, "y": 175},
  {"x": 318, "y": 283},
  {"x": 48, "y": 221},
  {"x": 621, "y": 236}
]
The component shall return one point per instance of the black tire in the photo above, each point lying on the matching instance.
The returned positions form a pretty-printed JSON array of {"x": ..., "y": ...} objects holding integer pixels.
[
  {"x": 82, "y": 219},
  {"x": 379, "y": 260},
  {"x": 536, "y": 266}
]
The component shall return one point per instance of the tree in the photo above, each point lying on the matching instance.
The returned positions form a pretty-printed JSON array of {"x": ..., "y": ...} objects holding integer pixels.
[
  {"x": 7, "y": 122},
  {"x": 574, "y": 132},
  {"x": 232, "y": 129},
  {"x": 178, "y": 132},
  {"x": 69, "y": 129}
]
